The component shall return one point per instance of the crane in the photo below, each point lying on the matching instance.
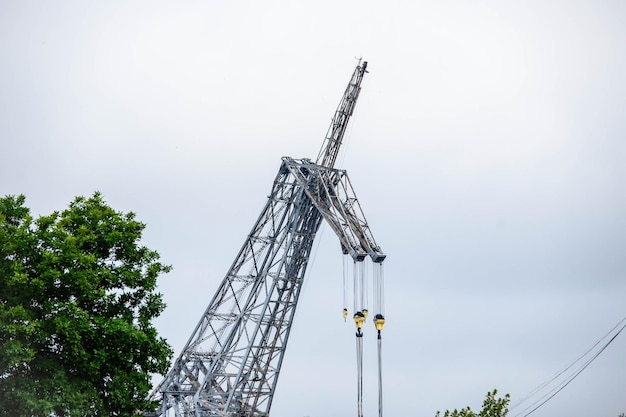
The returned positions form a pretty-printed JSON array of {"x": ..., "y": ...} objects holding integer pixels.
[{"x": 230, "y": 365}]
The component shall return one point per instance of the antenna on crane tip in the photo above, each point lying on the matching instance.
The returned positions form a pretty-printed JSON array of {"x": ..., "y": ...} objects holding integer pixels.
[{"x": 360, "y": 59}]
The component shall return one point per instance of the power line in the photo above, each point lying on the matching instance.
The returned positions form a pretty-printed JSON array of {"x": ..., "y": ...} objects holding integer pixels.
[{"x": 561, "y": 385}]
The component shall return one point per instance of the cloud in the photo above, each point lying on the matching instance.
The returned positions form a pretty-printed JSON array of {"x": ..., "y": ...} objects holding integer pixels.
[{"x": 487, "y": 152}]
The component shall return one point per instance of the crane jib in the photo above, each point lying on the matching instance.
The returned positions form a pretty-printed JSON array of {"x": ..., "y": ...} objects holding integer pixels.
[{"x": 330, "y": 148}]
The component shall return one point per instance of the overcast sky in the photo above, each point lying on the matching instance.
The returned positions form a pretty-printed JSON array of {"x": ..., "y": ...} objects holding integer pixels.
[{"x": 487, "y": 151}]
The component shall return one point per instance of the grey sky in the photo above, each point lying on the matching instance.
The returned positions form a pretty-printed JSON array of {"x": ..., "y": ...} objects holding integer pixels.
[{"x": 487, "y": 150}]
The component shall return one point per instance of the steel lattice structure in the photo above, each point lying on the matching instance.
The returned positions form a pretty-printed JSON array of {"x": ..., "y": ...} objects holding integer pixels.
[{"x": 231, "y": 363}]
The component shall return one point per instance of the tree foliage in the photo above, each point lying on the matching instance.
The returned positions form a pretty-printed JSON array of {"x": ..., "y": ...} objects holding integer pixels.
[
  {"x": 77, "y": 297},
  {"x": 492, "y": 407}
]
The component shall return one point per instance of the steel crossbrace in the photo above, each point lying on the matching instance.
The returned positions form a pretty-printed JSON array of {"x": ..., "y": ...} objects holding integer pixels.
[{"x": 331, "y": 192}]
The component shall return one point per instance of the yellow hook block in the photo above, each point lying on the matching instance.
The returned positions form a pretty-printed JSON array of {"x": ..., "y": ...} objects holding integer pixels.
[
  {"x": 379, "y": 321},
  {"x": 359, "y": 319}
]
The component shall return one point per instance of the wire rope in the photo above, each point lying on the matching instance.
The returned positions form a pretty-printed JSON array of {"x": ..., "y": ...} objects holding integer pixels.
[
  {"x": 379, "y": 289},
  {"x": 550, "y": 394},
  {"x": 382, "y": 290},
  {"x": 359, "y": 319},
  {"x": 379, "y": 321},
  {"x": 357, "y": 298},
  {"x": 364, "y": 293},
  {"x": 380, "y": 377},
  {"x": 359, "y": 361},
  {"x": 345, "y": 286}
]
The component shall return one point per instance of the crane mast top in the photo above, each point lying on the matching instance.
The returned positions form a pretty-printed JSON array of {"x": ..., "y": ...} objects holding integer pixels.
[{"x": 330, "y": 148}]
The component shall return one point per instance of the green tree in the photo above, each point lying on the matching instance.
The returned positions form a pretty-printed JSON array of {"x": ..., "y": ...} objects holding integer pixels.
[
  {"x": 492, "y": 407},
  {"x": 77, "y": 297}
]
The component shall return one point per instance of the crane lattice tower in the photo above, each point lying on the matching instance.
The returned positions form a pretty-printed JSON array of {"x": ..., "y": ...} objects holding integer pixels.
[{"x": 231, "y": 362}]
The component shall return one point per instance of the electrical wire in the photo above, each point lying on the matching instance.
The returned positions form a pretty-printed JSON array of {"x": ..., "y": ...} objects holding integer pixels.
[
  {"x": 559, "y": 387},
  {"x": 555, "y": 377}
]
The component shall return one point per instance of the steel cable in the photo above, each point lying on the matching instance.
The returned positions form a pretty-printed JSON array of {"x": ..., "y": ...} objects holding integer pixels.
[
  {"x": 345, "y": 286},
  {"x": 357, "y": 297},
  {"x": 380, "y": 377},
  {"x": 359, "y": 361},
  {"x": 550, "y": 394},
  {"x": 362, "y": 284}
]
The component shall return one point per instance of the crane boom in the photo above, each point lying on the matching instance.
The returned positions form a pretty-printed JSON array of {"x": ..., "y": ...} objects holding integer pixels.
[{"x": 231, "y": 363}]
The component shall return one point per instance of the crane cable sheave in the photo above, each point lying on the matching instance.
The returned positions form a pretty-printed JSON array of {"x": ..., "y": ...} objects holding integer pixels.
[{"x": 330, "y": 148}]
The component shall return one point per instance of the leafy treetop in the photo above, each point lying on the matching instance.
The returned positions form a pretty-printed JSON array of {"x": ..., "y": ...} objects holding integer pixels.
[
  {"x": 77, "y": 300},
  {"x": 492, "y": 407}
]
